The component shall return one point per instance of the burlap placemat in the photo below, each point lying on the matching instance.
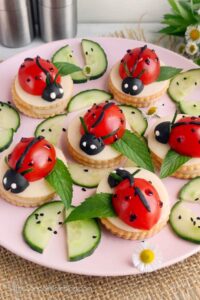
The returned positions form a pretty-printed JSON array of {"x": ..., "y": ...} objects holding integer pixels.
[{"x": 23, "y": 280}]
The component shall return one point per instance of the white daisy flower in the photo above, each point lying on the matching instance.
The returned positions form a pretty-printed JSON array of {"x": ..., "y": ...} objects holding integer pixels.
[
  {"x": 191, "y": 48},
  {"x": 180, "y": 48},
  {"x": 193, "y": 34},
  {"x": 146, "y": 257}
]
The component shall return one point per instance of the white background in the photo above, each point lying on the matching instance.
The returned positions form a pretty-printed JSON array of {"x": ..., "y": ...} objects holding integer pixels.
[{"x": 116, "y": 11}]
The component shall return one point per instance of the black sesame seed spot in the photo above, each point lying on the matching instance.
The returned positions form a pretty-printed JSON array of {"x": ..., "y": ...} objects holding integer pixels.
[
  {"x": 191, "y": 219},
  {"x": 122, "y": 121},
  {"x": 49, "y": 228},
  {"x": 133, "y": 217},
  {"x": 41, "y": 214},
  {"x": 122, "y": 61},
  {"x": 86, "y": 53},
  {"x": 196, "y": 199},
  {"x": 59, "y": 212},
  {"x": 89, "y": 110},
  {"x": 177, "y": 83},
  {"x": 60, "y": 223},
  {"x": 198, "y": 218},
  {"x": 83, "y": 189},
  {"x": 0, "y": 109},
  {"x": 150, "y": 181},
  {"x": 36, "y": 216},
  {"x": 198, "y": 226},
  {"x": 147, "y": 61},
  {"x": 50, "y": 130},
  {"x": 55, "y": 232},
  {"x": 128, "y": 51},
  {"x": 9, "y": 102},
  {"x": 133, "y": 112},
  {"x": 48, "y": 61},
  {"x": 85, "y": 170},
  {"x": 38, "y": 222},
  {"x": 92, "y": 49},
  {"x": 22, "y": 66},
  {"x": 70, "y": 55},
  {"x": 194, "y": 223},
  {"x": 156, "y": 59},
  {"x": 107, "y": 101},
  {"x": 152, "y": 50},
  {"x": 194, "y": 105},
  {"x": 179, "y": 217},
  {"x": 185, "y": 78},
  {"x": 64, "y": 129},
  {"x": 42, "y": 130},
  {"x": 163, "y": 104},
  {"x": 195, "y": 83},
  {"x": 94, "y": 236}
]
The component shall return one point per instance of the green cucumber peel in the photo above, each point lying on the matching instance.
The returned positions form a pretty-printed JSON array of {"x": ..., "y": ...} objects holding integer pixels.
[
  {"x": 60, "y": 179},
  {"x": 96, "y": 206},
  {"x": 135, "y": 149}
]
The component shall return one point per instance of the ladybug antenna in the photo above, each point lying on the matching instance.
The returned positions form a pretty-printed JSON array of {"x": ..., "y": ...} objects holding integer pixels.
[
  {"x": 84, "y": 125},
  {"x": 141, "y": 73},
  {"x": 134, "y": 173},
  {"x": 174, "y": 118}
]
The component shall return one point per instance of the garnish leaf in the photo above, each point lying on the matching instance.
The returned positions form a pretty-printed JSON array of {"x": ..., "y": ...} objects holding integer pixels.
[
  {"x": 66, "y": 68},
  {"x": 96, "y": 206},
  {"x": 172, "y": 162},
  {"x": 135, "y": 149},
  {"x": 168, "y": 72},
  {"x": 60, "y": 180}
]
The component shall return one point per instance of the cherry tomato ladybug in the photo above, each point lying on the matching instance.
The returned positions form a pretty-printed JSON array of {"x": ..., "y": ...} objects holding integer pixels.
[
  {"x": 35, "y": 74},
  {"x": 32, "y": 159},
  {"x": 137, "y": 204},
  {"x": 141, "y": 63},
  {"x": 185, "y": 136},
  {"x": 105, "y": 119}
]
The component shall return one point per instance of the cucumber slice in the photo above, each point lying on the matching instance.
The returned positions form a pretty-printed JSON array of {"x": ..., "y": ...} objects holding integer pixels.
[
  {"x": 51, "y": 128},
  {"x": 6, "y": 138},
  {"x": 9, "y": 117},
  {"x": 88, "y": 98},
  {"x": 135, "y": 118},
  {"x": 83, "y": 237},
  {"x": 185, "y": 223},
  {"x": 190, "y": 191},
  {"x": 182, "y": 84},
  {"x": 190, "y": 107},
  {"x": 65, "y": 54},
  {"x": 41, "y": 225},
  {"x": 95, "y": 58},
  {"x": 86, "y": 176}
]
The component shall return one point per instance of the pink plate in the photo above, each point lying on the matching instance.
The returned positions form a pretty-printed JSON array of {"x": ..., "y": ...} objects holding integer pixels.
[{"x": 113, "y": 255}]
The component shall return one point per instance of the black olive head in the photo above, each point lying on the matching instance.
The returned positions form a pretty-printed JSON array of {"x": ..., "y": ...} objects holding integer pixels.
[
  {"x": 91, "y": 144},
  {"x": 14, "y": 182},
  {"x": 162, "y": 132},
  {"x": 52, "y": 92},
  {"x": 132, "y": 86},
  {"x": 113, "y": 181}
]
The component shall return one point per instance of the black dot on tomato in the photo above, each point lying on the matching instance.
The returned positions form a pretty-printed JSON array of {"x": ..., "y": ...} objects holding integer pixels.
[
  {"x": 150, "y": 181},
  {"x": 22, "y": 66},
  {"x": 115, "y": 196},
  {"x": 127, "y": 197},
  {"x": 132, "y": 217},
  {"x": 147, "y": 61},
  {"x": 49, "y": 159},
  {"x": 161, "y": 204},
  {"x": 28, "y": 79},
  {"x": 128, "y": 51},
  {"x": 47, "y": 146},
  {"x": 179, "y": 139},
  {"x": 30, "y": 164},
  {"x": 193, "y": 130},
  {"x": 51, "y": 69}
]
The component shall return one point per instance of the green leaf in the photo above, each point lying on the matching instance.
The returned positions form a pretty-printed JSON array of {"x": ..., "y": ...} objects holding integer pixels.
[
  {"x": 174, "y": 5},
  {"x": 60, "y": 180},
  {"x": 172, "y": 30},
  {"x": 96, "y": 206},
  {"x": 168, "y": 72},
  {"x": 135, "y": 149},
  {"x": 66, "y": 68},
  {"x": 172, "y": 162}
]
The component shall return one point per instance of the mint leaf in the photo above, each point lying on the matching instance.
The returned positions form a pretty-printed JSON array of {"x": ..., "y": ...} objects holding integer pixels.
[
  {"x": 60, "y": 180},
  {"x": 172, "y": 162},
  {"x": 135, "y": 149},
  {"x": 167, "y": 73},
  {"x": 66, "y": 68},
  {"x": 96, "y": 206}
]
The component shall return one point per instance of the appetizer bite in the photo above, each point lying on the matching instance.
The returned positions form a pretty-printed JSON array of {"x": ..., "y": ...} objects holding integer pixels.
[{"x": 39, "y": 91}]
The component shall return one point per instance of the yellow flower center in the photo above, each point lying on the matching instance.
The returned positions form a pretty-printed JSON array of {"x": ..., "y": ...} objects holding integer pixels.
[
  {"x": 194, "y": 34},
  {"x": 147, "y": 256}
]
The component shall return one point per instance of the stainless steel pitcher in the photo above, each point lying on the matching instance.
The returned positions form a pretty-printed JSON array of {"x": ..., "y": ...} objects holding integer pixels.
[
  {"x": 57, "y": 19},
  {"x": 16, "y": 24}
]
